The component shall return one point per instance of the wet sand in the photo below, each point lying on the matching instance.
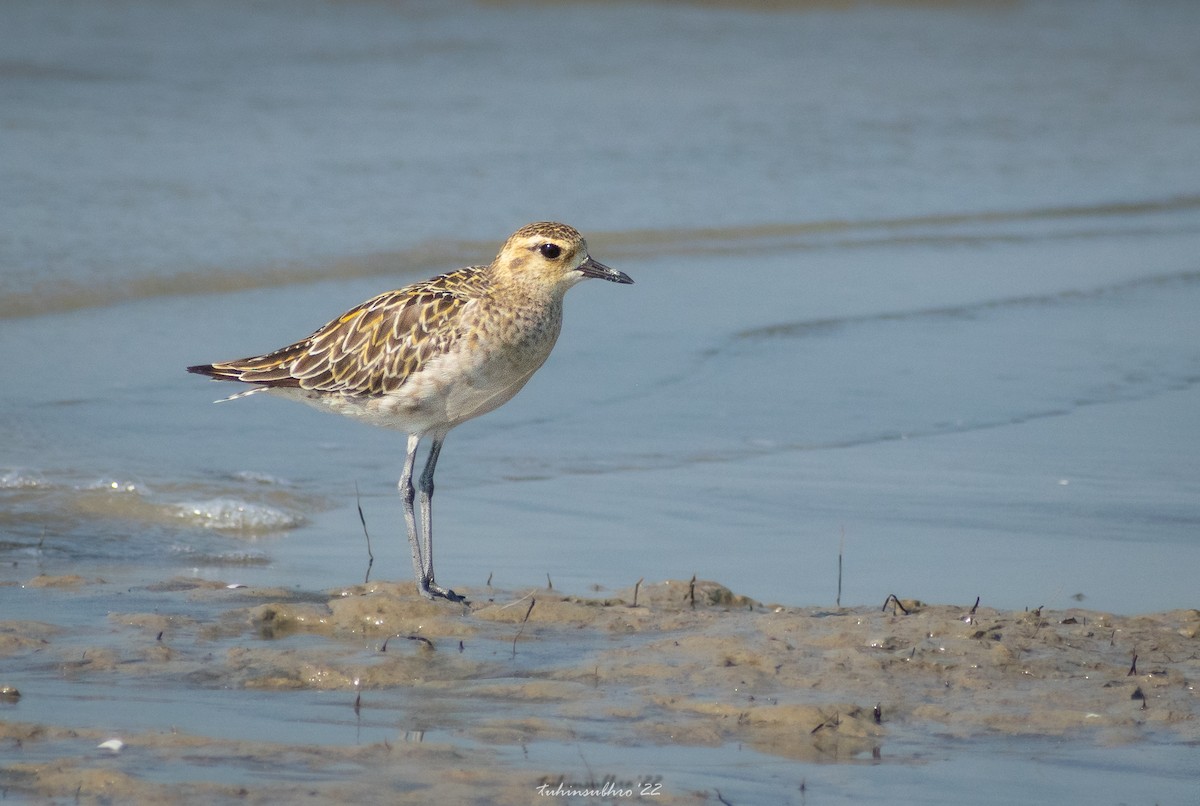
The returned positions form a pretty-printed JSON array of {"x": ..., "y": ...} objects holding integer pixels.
[{"x": 468, "y": 689}]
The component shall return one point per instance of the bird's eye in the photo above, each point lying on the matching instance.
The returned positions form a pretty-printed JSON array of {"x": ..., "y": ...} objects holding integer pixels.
[{"x": 550, "y": 250}]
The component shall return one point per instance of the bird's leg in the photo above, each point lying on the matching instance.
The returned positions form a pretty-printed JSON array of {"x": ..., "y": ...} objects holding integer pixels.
[
  {"x": 427, "y": 521},
  {"x": 426, "y": 487},
  {"x": 408, "y": 495}
]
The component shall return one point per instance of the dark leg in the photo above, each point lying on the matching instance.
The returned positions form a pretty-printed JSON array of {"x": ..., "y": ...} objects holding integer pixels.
[{"x": 427, "y": 521}]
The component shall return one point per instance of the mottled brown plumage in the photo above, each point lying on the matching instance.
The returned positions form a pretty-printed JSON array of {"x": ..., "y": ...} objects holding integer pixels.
[
  {"x": 426, "y": 357},
  {"x": 374, "y": 347}
]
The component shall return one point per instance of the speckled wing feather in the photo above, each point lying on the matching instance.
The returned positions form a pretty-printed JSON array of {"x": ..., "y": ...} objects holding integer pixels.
[{"x": 373, "y": 348}]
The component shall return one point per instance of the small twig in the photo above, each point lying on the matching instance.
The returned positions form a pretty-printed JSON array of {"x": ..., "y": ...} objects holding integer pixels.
[
  {"x": 893, "y": 598},
  {"x": 516, "y": 602},
  {"x": 692, "y": 591},
  {"x": 489, "y": 582},
  {"x": 427, "y": 643},
  {"x": 636, "y": 585},
  {"x": 521, "y": 629},
  {"x": 586, "y": 766},
  {"x": 363, "y": 519},
  {"x": 975, "y": 606},
  {"x": 549, "y": 584},
  {"x": 831, "y": 722},
  {"x": 841, "y": 550},
  {"x": 722, "y": 799},
  {"x": 1132, "y": 667}
]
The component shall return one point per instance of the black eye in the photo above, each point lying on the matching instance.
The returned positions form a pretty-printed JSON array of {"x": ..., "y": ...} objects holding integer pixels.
[{"x": 550, "y": 250}]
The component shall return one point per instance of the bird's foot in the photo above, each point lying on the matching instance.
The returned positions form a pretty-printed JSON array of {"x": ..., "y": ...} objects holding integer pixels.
[{"x": 431, "y": 590}]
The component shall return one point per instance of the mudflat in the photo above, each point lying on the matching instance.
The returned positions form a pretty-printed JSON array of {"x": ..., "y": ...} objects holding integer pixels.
[{"x": 461, "y": 690}]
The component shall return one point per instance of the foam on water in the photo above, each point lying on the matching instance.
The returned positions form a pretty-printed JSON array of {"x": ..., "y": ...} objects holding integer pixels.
[
  {"x": 19, "y": 479},
  {"x": 233, "y": 515},
  {"x": 51, "y": 516}
]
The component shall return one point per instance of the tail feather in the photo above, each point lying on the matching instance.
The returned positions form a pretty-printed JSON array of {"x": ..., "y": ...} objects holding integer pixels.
[
  {"x": 264, "y": 371},
  {"x": 207, "y": 369},
  {"x": 243, "y": 393},
  {"x": 228, "y": 372}
]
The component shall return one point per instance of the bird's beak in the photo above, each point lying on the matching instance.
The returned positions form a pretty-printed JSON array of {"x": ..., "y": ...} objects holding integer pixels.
[{"x": 594, "y": 268}]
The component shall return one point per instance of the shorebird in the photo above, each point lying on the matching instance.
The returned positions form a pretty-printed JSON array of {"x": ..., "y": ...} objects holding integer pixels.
[{"x": 426, "y": 357}]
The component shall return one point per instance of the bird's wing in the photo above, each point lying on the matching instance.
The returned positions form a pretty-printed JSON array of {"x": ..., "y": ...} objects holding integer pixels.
[{"x": 373, "y": 348}]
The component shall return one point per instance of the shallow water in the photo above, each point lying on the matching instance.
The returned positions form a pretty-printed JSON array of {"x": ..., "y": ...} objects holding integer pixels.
[{"x": 913, "y": 284}]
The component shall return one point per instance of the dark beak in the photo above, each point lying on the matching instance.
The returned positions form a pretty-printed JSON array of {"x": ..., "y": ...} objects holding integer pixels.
[{"x": 594, "y": 268}]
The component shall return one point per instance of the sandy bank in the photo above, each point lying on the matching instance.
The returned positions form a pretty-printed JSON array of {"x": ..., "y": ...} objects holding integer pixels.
[{"x": 690, "y": 664}]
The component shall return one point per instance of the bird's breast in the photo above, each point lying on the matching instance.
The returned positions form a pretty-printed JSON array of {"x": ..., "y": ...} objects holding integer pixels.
[{"x": 490, "y": 361}]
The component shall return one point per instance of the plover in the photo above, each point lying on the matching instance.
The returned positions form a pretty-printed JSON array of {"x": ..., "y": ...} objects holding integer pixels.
[{"x": 426, "y": 357}]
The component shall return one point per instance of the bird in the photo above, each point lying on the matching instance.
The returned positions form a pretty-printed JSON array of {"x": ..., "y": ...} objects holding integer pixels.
[{"x": 426, "y": 357}]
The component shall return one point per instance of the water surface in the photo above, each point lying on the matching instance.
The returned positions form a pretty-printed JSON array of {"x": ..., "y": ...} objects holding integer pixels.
[{"x": 915, "y": 284}]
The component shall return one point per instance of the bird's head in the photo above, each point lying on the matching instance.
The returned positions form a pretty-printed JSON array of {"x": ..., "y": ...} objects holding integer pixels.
[{"x": 551, "y": 256}]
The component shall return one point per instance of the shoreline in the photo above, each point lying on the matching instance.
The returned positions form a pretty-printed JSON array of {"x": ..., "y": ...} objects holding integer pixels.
[{"x": 692, "y": 665}]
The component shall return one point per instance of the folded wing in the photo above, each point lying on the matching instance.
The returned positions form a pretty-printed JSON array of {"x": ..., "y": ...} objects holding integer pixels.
[{"x": 370, "y": 350}]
